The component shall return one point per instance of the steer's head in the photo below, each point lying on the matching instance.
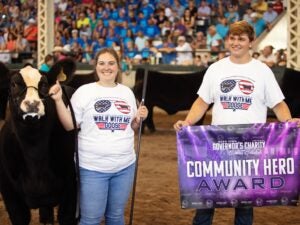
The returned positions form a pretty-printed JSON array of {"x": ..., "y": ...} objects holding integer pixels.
[{"x": 28, "y": 90}]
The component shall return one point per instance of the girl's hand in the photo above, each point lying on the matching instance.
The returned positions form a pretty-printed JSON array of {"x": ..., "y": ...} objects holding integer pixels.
[
  {"x": 56, "y": 92},
  {"x": 142, "y": 113}
]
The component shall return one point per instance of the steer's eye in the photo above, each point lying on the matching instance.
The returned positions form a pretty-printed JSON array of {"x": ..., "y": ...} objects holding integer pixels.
[{"x": 43, "y": 88}]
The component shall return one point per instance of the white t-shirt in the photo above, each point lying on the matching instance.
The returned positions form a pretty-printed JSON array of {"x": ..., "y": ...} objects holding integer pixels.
[
  {"x": 184, "y": 53},
  {"x": 241, "y": 93},
  {"x": 104, "y": 114}
]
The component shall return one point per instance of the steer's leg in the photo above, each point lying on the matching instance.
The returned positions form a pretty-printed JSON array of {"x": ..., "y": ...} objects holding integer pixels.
[{"x": 18, "y": 211}]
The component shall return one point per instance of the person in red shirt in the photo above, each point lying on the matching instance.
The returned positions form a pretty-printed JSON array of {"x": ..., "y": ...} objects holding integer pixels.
[
  {"x": 278, "y": 6},
  {"x": 31, "y": 34}
]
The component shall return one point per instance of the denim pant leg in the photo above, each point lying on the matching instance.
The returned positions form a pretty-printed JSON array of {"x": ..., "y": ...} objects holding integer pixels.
[
  {"x": 93, "y": 196},
  {"x": 119, "y": 189},
  {"x": 203, "y": 217},
  {"x": 243, "y": 216}
]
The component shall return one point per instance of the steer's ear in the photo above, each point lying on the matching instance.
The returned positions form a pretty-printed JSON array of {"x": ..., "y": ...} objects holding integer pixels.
[{"x": 62, "y": 70}]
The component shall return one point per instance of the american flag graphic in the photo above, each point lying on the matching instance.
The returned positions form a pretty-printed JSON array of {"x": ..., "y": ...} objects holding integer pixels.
[
  {"x": 122, "y": 106},
  {"x": 101, "y": 125},
  {"x": 246, "y": 87}
]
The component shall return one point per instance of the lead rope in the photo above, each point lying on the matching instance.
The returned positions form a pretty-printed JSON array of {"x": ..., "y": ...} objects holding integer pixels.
[{"x": 76, "y": 155}]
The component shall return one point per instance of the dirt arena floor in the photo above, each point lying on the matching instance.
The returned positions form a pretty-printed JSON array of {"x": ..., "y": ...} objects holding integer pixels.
[{"x": 157, "y": 192}]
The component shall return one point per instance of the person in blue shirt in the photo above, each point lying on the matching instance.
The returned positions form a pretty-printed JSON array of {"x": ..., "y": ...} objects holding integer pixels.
[
  {"x": 48, "y": 63},
  {"x": 258, "y": 23},
  {"x": 167, "y": 50},
  {"x": 147, "y": 8},
  {"x": 152, "y": 30},
  {"x": 222, "y": 27}
]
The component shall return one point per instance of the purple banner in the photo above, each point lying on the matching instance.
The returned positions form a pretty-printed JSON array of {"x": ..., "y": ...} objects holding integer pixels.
[{"x": 239, "y": 165}]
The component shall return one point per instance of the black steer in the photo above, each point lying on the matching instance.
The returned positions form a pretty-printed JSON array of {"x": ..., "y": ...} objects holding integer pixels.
[{"x": 36, "y": 154}]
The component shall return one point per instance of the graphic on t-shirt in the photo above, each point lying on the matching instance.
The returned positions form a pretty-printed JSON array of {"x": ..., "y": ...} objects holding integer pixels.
[
  {"x": 122, "y": 106},
  {"x": 108, "y": 117},
  {"x": 227, "y": 85},
  {"x": 102, "y": 106},
  {"x": 240, "y": 99},
  {"x": 245, "y": 86}
]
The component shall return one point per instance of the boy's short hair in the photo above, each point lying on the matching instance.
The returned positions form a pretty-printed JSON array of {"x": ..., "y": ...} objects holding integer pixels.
[{"x": 242, "y": 27}]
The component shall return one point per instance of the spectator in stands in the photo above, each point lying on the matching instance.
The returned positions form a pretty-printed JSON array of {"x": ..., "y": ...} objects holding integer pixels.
[
  {"x": 98, "y": 44},
  {"x": 198, "y": 61},
  {"x": 278, "y": 6},
  {"x": 130, "y": 51},
  {"x": 202, "y": 17},
  {"x": 76, "y": 50},
  {"x": 75, "y": 38},
  {"x": 100, "y": 28},
  {"x": 281, "y": 57},
  {"x": 111, "y": 38},
  {"x": 129, "y": 37},
  {"x": 58, "y": 53},
  {"x": 121, "y": 29},
  {"x": 47, "y": 64},
  {"x": 83, "y": 20},
  {"x": 192, "y": 7},
  {"x": 152, "y": 30},
  {"x": 260, "y": 6},
  {"x": 267, "y": 56},
  {"x": 62, "y": 5},
  {"x": 258, "y": 23},
  {"x": 247, "y": 15},
  {"x": 177, "y": 8},
  {"x": 199, "y": 41},
  {"x": 147, "y": 51},
  {"x": 184, "y": 52},
  {"x": 179, "y": 27},
  {"x": 232, "y": 15},
  {"x": 93, "y": 21},
  {"x": 11, "y": 46},
  {"x": 121, "y": 16},
  {"x": 160, "y": 18},
  {"x": 166, "y": 28},
  {"x": 188, "y": 20},
  {"x": 242, "y": 6},
  {"x": 166, "y": 48},
  {"x": 87, "y": 49},
  {"x": 147, "y": 8},
  {"x": 269, "y": 16},
  {"x": 31, "y": 34},
  {"x": 134, "y": 26},
  {"x": 222, "y": 27},
  {"x": 22, "y": 47},
  {"x": 142, "y": 21},
  {"x": 140, "y": 40},
  {"x": 14, "y": 10},
  {"x": 214, "y": 41}
]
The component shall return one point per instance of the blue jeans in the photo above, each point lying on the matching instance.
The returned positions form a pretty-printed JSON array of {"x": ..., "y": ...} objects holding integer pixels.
[
  {"x": 243, "y": 216},
  {"x": 104, "y": 194}
]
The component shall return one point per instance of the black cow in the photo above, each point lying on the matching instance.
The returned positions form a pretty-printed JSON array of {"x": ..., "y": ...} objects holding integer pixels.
[
  {"x": 36, "y": 154},
  {"x": 170, "y": 92}
]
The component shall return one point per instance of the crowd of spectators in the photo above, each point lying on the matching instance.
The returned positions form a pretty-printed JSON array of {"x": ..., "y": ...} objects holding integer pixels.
[{"x": 162, "y": 31}]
